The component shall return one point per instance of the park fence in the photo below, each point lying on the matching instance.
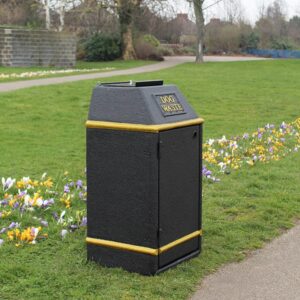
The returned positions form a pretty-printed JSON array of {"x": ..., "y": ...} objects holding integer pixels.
[{"x": 274, "y": 53}]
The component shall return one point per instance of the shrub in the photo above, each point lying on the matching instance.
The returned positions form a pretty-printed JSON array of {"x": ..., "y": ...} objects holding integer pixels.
[
  {"x": 281, "y": 45},
  {"x": 151, "y": 39},
  {"x": 165, "y": 51},
  {"x": 100, "y": 47},
  {"x": 80, "y": 50},
  {"x": 188, "y": 39},
  {"x": 144, "y": 50},
  {"x": 176, "y": 49}
]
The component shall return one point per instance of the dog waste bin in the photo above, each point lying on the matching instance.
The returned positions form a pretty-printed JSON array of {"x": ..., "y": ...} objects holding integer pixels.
[{"x": 143, "y": 177}]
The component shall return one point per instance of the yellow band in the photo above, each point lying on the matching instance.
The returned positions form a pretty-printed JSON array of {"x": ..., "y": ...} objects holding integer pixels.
[
  {"x": 141, "y": 127},
  {"x": 141, "y": 249}
]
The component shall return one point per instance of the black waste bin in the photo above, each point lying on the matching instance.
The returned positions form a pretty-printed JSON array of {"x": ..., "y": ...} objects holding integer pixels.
[{"x": 144, "y": 145}]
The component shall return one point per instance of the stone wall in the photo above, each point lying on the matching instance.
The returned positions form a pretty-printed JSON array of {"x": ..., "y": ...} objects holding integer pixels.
[{"x": 20, "y": 47}]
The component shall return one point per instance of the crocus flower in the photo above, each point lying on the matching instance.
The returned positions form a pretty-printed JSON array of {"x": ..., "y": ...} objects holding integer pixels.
[
  {"x": 47, "y": 203},
  {"x": 3, "y": 230},
  {"x": 44, "y": 223},
  {"x": 64, "y": 232},
  {"x": 66, "y": 189},
  {"x": 7, "y": 183},
  {"x": 22, "y": 193},
  {"x": 283, "y": 125},
  {"x": 12, "y": 225},
  {"x": 79, "y": 184},
  {"x": 4, "y": 202},
  {"x": 55, "y": 216},
  {"x": 83, "y": 222},
  {"x": 73, "y": 227},
  {"x": 1, "y": 242},
  {"x": 61, "y": 218}
]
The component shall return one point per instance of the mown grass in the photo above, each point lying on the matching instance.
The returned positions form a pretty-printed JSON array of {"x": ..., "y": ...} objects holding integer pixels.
[
  {"x": 42, "y": 129},
  {"x": 116, "y": 65}
]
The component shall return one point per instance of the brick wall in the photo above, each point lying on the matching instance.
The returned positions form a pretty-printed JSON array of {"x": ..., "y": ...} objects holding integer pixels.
[{"x": 20, "y": 47}]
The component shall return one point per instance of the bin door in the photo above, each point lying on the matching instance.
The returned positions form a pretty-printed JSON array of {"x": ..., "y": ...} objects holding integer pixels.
[{"x": 179, "y": 191}]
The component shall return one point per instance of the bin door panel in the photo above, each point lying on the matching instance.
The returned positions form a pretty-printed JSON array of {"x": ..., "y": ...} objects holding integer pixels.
[{"x": 179, "y": 191}]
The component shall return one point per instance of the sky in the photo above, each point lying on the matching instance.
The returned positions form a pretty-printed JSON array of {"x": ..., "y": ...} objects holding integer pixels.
[{"x": 249, "y": 8}]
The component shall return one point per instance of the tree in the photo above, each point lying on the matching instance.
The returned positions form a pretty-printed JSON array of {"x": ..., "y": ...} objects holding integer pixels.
[
  {"x": 56, "y": 8},
  {"x": 46, "y": 6},
  {"x": 272, "y": 26},
  {"x": 199, "y": 14},
  {"x": 126, "y": 10},
  {"x": 294, "y": 29},
  {"x": 198, "y": 8}
]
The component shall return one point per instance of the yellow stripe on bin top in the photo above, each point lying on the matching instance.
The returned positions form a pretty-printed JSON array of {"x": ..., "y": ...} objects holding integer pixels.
[
  {"x": 141, "y": 127},
  {"x": 141, "y": 249}
]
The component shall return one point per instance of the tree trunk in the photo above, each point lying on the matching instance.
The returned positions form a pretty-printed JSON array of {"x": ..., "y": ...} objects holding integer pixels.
[
  {"x": 127, "y": 41},
  {"x": 62, "y": 16},
  {"x": 198, "y": 8},
  {"x": 126, "y": 10},
  {"x": 47, "y": 12}
]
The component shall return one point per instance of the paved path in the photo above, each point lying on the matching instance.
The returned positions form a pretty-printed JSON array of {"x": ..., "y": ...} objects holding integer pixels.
[
  {"x": 272, "y": 273},
  {"x": 169, "y": 62}
]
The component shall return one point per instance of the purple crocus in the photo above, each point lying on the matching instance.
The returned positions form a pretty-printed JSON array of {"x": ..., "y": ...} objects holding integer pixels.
[
  {"x": 83, "y": 222},
  {"x": 79, "y": 184},
  {"x": 4, "y": 202},
  {"x": 283, "y": 125},
  {"x": 3, "y": 230},
  {"x": 205, "y": 171},
  {"x": 44, "y": 223},
  {"x": 13, "y": 225},
  {"x": 22, "y": 194},
  {"x": 245, "y": 136},
  {"x": 48, "y": 202},
  {"x": 16, "y": 205},
  {"x": 66, "y": 189},
  {"x": 259, "y": 136},
  {"x": 55, "y": 216}
]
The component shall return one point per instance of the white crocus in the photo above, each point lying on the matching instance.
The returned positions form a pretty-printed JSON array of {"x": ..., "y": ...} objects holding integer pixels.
[{"x": 7, "y": 183}]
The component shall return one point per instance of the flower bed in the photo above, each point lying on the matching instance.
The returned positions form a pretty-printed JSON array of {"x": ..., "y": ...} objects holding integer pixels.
[
  {"x": 50, "y": 72},
  {"x": 262, "y": 146},
  {"x": 30, "y": 208}
]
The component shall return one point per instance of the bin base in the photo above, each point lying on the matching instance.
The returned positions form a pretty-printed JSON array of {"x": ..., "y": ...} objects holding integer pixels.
[
  {"x": 133, "y": 262},
  {"x": 178, "y": 261}
]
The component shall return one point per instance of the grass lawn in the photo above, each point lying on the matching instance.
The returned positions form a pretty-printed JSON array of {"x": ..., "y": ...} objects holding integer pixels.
[
  {"x": 42, "y": 129},
  {"x": 101, "y": 66}
]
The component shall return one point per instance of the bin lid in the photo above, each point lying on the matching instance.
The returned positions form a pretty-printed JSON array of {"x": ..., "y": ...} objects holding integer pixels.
[{"x": 139, "y": 102}]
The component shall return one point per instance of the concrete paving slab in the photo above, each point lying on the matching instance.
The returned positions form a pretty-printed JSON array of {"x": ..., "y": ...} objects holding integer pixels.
[{"x": 272, "y": 273}]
